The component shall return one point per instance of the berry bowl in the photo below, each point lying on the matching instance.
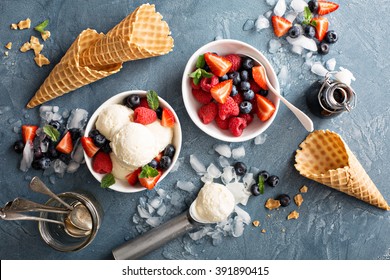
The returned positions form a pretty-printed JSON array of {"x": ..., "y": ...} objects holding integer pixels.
[
  {"x": 207, "y": 65},
  {"x": 131, "y": 182}
]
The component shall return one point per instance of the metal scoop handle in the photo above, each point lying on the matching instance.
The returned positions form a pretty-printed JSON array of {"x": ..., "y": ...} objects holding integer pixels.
[
  {"x": 15, "y": 216},
  {"x": 25, "y": 205}
]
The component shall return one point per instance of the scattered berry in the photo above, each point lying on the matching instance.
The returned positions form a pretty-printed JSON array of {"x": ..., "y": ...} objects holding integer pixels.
[
  {"x": 245, "y": 107},
  {"x": 207, "y": 83},
  {"x": 284, "y": 200},
  {"x": 234, "y": 91},
  {"x": 65, "y": 158},
  {"x": 294, "y": 32},
  {"x": 238, "y": 98},
  {"x": 159, "y": 112},
  {"x": 235, "y": 76},
  {"x": 88, "y": 146},
  {"x": 228, "y": 109},
  {"x": 265, "y": 108},
  {"x": 247, "y": 63},
  {"x": 237, "y": 126},
  {"x": 153, "y": 163},
  {"x": 248, "y": 95},
  {"x": 281, "y": 25},
  {"x": 144, "y": 115},
  {"x": 221, "y": 91},
  {"x": 132, "y": 178},
  {"x": 165, "y": 162},
  {"x": 65, "y": 146},
  {"x": 44, "y": 163},
  {"x": 240, "y": 168},
  {"x": 99, "y": 140},
  {"x": 133, "y": 101},
  {"x": 247, "y": 117},
  {"x": 259, "y": 75},
  {"x": 321, "y": 27},
  {"x": 313, "y": 6},
  {"x": 29, "y": 132},
  {"x": 264, "y": 174},
  {"x": 310, "y": 31},
  {"x": 167, "y": 118},
  {"x": 323, "y": 48},
  {"x": 38, "y": 153},
  {"x": 222, "y": 124},
  {"x": 169, "y": 151},
  {"x": 223, "y": 78},
  {"x": 52, "y": 153},
  {"x": 273, "y": 180},
  {"x": 245, "y": 86},
  {"x": 19, "y": 146},
  {"x": 218, "y": 65},
  {"x": 101, "y": 163},
  {"x": 331, "y": 37},
  {"x": 93, "y": 132},
  {"x": 235, "y": 60},
  {"x": 202, "y": 96},
  {"x": 244, "y": 75},
  {"x": 207, "y": 113},
  {"x": 106, "y": 147},
  {"x": 55, "y": 124},
  {"x": 255, "y": 190},
  {"x": 326, "y": 7}
]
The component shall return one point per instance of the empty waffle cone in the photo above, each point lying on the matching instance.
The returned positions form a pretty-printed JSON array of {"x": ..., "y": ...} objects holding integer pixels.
[
  {"x": 68, "y": 75},
  {"x": 142, "y": 34},
  {"x": 324, "y": 157}
]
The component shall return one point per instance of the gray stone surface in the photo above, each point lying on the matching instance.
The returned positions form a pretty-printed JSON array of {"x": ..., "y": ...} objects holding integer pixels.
[{"x": 331, "y": 226}]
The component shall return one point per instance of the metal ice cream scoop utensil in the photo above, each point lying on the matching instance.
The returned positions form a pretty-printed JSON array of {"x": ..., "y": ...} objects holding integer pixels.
[
  {"x": 10, "y": 215},
  {"x": 25, "y": 205}
]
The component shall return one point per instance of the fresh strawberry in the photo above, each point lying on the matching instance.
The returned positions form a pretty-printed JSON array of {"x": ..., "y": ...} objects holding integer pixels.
[
  {"x": 207, "y": 113},
  {"x": 202, "y": 96},
  {"x": 29, "y": 132},
  {"x": 218, "y": 65},
  {"x": 254, "y": 86},
  {"x": 88, "y": 146},
  {"x": 247, "y": 117},
  {"x": 259, "y": 75},
  {"x": 193, "y": 85},
  {"x": 132, "y": 178},
  {"x": 159, "y": 156},
  {"x": 101, "y": 163},
  {"x": 321, "y": 27},
  {"x": 326, "y": 7},
  {"x": 221, "y": 91},
  {"x": 235, "y": 59},
  {"x": 144, "y": 103},
  {"x": 229, "y": 109},
  {"x": 207, "y": 83},
  {"x": 265, "y": 108},
  {"x": 144, "y": 115},
  {"x": 238, "y": 98},
  {"x": 168, "y": 118},
  {"x": 222, "y": 124},
  {"x": 65, "y": 145},
  {"x": 237, "y": 126},
  {"x": 281, "y": 25},
  {"x": 150, "y": 182}
]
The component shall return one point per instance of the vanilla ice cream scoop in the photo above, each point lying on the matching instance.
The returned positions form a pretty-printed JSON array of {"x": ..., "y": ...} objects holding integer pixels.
[
  {"x": 134, "y": 144},
  {"x": 119, "y": 169},
  {"x": 165, "y": 134},
  {"x": 112, "y": 118},
  {"x": 214, "y": 204}
]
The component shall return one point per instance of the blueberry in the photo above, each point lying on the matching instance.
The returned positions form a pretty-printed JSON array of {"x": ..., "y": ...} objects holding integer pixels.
[
  {"x": 55, "y": 124},
  {"x": 240, "y": 168},
  {"x": 75, "y": 133},
  {"x": 234, "y": 91},
  {"x": 273, "y": 180},
  {"x": 313, "y": 6},
  {"x": 331, "y": 37},
  {"x": 284, "y": 200},
  {"x": 159, "y": 111},
  {"x": 263, "y": 92},
  {"x": 44, "y": 163},
  {"x": 323, "y": 48},
  {"x": 244, "y": 75},
  {"x": 153, "y": 164},
  {"x": 19, "y": 146},
  {"x": 36, "y": 164},
  {"x": 93, "y": 133},
  {"x": 310, "y": 31},
  {"x": 165, "y": 162},
  {"x": 106, "y": 147},
  {"x": 247, "y": 63},
  {"x": 223, "y": 78},
  {"x": 133, "y": 101},
  {"x": 235, "y": 76},
  {"x": 294, "y": 32},
  {"x": 245, "y": 86},
  {"x": 38, "y": 153},
  {"x": 255, "y": 190},
  {"x": 206, "y": 67},
  {"x": 52, "y": 153},
  {"x": 99, "y": 140},
  {"x": 264, "y": 174},
  {"x": 248, "y": 95},
  {"x": 169, "y": 151},
  {"x": 245, "y": 107}
]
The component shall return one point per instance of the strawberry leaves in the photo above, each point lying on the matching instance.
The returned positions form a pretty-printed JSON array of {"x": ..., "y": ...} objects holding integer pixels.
[
  {"x": 308, "y": 17},
  {"x": 200, "y": 73},
  {"x": 148, "y": 172}
]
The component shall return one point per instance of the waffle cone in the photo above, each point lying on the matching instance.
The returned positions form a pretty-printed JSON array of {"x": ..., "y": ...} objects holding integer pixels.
[
  {"x": 142, "y": 34},
  {"x": 68, "y": 75},
  {"x": 325, "y": 158}
]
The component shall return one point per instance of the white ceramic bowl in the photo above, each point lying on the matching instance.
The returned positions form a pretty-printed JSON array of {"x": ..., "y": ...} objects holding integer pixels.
[
  {"x": 224, "y": 47},
  {"x": 122, "y": 185}
]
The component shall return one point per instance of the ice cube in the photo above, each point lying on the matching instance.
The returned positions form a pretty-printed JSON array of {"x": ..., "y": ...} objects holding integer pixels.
[
  {"x": 52, "y": 179},
  {"x": 217, "y": 238},
  {"x": 162, "y": 210},
  {"x": 223, "y": 150},
  {"x": 136, "y": 219},
  {"x": 304, "y": 42},
  {"x": 261, "y": 23},
  {"x": 186, "y": 186},
  {"x": 78, "y": 153},
  {"x": 142, "y": 201},
  {"x": 150, "y": 208},
  {"x": 298, "y": 5},
  {"x": 44, "y": 145},
  {"x": 141, "y": 229},
  {"x": 227, "y": 174},
  {"x": 55, "y": 109},
  {"x": 198, "y": 234},
  {"x": 177, "y": 164},
  {"x": 260, "y": 139},
  {"x": 271, "y": 2},
  {"x": 248, "y": 25},
  {"x": 197, "y": 165},
  {"x": 280, "y": 8},
  {"x": 28, "y": 156},
  {"x": 59, "y": 167},
  {"x": 246, "y": 218},
  {"x": 154, "y": 221},
  {"x": 248, "y": 180},
  {"x": 176, "y": 199},
  {"x": 223, "y": 162},
  {"x": 56, "y": 117},
  {"x": 45, "y": 108},
  {"x": 291, "y": 16},
  {"x": 268, "y": 14},
  {"x": 143, "y": 213},
  {"x": 297, "y": 49},
  {"x": 155, "y": 202},
  {"x": 345, "y": 76},
  {"x": 254, "y": 170},
  {"x": 238, "y": 153},
  {"x": 206, "y": 178},
  {"x": 77, "y": 119},
  {"x": 65, "y": 113},
  {"x": 318, "y": 69},
  {"x": 162, "y": 193},
  {"x": 73, "y": 166},
  {"x": 274, "y": 46},
  {"x": 239, "y": 191},
  {"x": 331, "y": 64},
  {"x": 283, "y": 75},
  {"x": 238, "y": 227},
  {"x": 213, "y": 171}
]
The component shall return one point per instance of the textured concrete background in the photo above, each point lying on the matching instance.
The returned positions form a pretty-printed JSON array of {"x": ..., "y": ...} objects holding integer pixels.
[{"x": 332, "y": 225}]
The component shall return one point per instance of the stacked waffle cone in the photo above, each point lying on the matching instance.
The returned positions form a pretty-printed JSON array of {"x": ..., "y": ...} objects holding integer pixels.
[
  {"x": 324, "y": 157},
  {"x": 94, "y": 56}
]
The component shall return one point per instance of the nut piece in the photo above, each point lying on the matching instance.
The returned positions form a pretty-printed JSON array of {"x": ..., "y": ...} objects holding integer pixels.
[
  {"x": 24, "y": 24},
  {"x": 26, "y": 47},
  {"x": 6, "y": 53},
  {"x": 256, "y": 223},
  {"x": 41, "y": 60},
  {"x": 34, "y": 41},
  {"x": 45, "y": 35},
  {"x": 14, "y": 26},
  {"x": 298, "y": 199},
  {"x": 272, "y": 204},
  {"x": 304, "y": 189},
  {"x": 293, "y": 215},
  {"x": 263, "y": 231},
  {"x": 9, "y": 45}
]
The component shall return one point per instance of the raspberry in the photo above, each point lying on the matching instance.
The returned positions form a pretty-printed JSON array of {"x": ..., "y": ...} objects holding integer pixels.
[
  {"x": 237, "y": 125},
  {"x": 235, "y": 60},
  {"x": 193, "y": 85},
  {"x": 144, "y": 115},
  {"x": 144, "y": 103},
  {"x": 229, "y": 108},
  {"x": 255, "y": 87},
  {"x": 238, "y": 98},
  {"x": 222, "y": 124},
  {"x": 207, "y": 83},
  {"x": 202, "y": 96},
  {"x": 101, "y": 163},
  {"x": 207, "y": 113},
  {"x": 254, "y": 105},
  {"x": 247, "y": 117}
]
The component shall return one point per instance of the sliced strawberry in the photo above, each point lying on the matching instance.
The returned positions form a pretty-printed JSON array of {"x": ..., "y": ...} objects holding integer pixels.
[
  {"x": 220, "y": 92},
  {"x": 265, "y": 108},
  {"x": 326, "y": 7},
  {"x": 321, "y": 27},
  {"x": 218, "y": 64},
  {"x": 159, "y": 156},
  {"x": 88, "y": 146},
  {"x": 65, "y": 145},
  {"x": 132, "y": 178},
  {"x": 167, "y": 118},
  {"x": 259, "y": 75},
  {"x": 281, "y": 25},
  {"x": 150, "y": 182},
  {"x": 29, "y": 132}
]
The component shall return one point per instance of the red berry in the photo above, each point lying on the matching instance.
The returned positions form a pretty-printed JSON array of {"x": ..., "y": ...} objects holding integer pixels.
[
  {"x": 222, "y": 124},
  {"x": 237, "y": 126},
  {"x": 207, "y": 83},
  {"x": 220, "y": 92},
  {"x": 238, "y": 98},
  {"x": 265, "y": 108},
  {"x": 218, "y": 65},
  {"x": 281, "y": 25},
  {"x": 193, "y": 85},
  {"x": 247, "y": 117},
  {"x": 88, "y": 146},
  {"x": 228, "y": 109},
  {"x": 144, "y": 115},
  {"x": 143, "y": 103},
  {"x": 167, "y": 118},
  {"x": 207, "y": 113},
  {"x": 259, "y": 75},
  {"x": 101, "y": 163},
  {"x": 65, "y": 145},
  {"x": 254, "y": 86},
  {"x": 202, "y": 96},
  {"x": 29, "y": 132},
  {"x": 235, "y": 60},
  {"x": 150, "y": 182},
  {"x": 132, "y": 178}
]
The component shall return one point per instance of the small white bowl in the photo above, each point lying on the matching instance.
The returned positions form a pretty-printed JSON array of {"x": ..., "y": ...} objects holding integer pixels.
[
  {"x": 224, "y": 47},
  {"x": 123, "y": 185}
]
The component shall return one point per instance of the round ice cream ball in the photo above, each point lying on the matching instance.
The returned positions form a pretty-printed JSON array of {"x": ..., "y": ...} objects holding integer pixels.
[
  {"x": 119, "y": 169},
  {"x": 134, "y": 144},
  {"x": 213, "y": 204},
  {"x": 112, "y": 118},
  {"x": 164, "y": 134}
]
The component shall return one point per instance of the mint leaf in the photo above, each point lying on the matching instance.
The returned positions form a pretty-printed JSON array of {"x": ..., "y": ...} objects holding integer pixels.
[
  {"x": 196, "y": 74},
  {"x": 196, "y": 81},
  {"x": 41, "y": 27},
  {"x": 152, "y": 99},
  {"x": 205, "y": 74},
  {"x": 107, "y": 180},
  {"x": 307, "y": 15},
  {"x": 148, "y": 172},
  {"x": 261, "y": 184},
  {"x": 53, "y": 133},
  {"x": 200, "y": 62}
]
